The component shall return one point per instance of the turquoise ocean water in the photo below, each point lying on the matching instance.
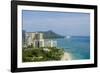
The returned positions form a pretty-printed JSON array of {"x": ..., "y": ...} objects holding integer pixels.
[{"x": 78, "y": 46}]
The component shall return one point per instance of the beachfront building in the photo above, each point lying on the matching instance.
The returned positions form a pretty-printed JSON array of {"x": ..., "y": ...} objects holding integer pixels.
[{"x": 38, "y": 40}]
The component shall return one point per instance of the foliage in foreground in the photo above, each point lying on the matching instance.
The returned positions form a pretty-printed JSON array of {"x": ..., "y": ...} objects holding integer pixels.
[{"x": 31, "y": 54}]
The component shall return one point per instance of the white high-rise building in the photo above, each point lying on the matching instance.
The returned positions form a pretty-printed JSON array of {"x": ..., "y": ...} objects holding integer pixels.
[{"x": 37, "y": 40}]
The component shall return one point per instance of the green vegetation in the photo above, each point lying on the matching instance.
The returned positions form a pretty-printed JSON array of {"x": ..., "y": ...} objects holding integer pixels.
[{"x": 31, "y": 54}]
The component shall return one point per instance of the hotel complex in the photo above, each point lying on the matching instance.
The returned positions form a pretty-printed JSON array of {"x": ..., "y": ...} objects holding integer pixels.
[{"x": 37, "y": 39}]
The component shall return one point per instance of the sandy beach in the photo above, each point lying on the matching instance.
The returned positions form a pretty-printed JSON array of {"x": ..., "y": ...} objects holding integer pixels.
[{"x": 66, "y": 56}]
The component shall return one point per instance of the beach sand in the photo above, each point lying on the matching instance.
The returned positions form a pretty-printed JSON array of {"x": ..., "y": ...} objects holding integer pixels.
[{"x": 66, "y": 56}]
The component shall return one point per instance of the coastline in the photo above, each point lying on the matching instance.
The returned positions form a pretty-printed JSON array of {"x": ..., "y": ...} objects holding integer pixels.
[{"x": 66, "y": 56}]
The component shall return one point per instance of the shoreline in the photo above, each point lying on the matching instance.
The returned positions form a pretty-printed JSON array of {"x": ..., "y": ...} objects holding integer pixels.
[{"x": 66, "y": 56}]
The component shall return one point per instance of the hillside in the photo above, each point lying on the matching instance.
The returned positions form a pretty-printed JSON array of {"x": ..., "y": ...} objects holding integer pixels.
[{"x": 51, "y": 35}]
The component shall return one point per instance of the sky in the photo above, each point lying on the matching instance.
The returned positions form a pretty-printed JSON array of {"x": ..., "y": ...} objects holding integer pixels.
[{"x": 64, "y": 23}]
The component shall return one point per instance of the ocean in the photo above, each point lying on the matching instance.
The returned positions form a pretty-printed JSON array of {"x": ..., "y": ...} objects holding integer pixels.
[{"x": 77, "y": 46}]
